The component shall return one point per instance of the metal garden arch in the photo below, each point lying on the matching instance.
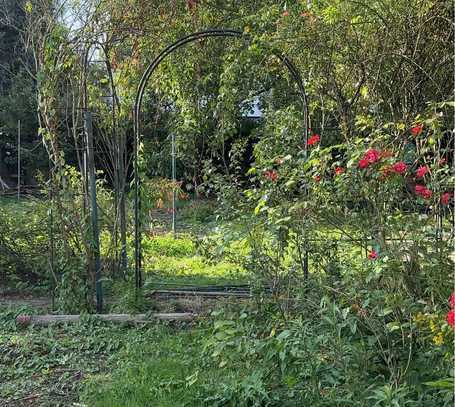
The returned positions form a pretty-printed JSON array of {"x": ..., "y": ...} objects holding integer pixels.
[{"x": 137, "y": 111}]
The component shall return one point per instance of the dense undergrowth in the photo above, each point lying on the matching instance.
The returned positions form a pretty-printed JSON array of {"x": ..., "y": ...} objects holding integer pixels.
[
  {"x": 349, "y": 290},
  {"x": 346, "y": 337},
  {"x": 334, "y": 350}
]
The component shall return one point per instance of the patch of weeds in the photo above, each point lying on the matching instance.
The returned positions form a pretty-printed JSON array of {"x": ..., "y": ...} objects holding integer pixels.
[
  {"x": 167, "y": 371},
  {"x": 168, "y": 245},
  {"x": 45, "y": 366}
]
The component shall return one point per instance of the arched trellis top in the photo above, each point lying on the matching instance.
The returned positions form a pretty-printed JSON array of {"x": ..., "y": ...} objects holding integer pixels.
[{"x": 137, "y": 111}]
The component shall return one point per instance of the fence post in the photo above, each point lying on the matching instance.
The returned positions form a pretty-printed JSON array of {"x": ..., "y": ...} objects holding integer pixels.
[
  {"x": 18, "y": 159},
  {"x": 174, "y": 180},
  {"x": 88, "y": 126}
]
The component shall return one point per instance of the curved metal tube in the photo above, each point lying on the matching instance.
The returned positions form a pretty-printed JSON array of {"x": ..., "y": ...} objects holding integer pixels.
[{"x": 136, "y": 117}]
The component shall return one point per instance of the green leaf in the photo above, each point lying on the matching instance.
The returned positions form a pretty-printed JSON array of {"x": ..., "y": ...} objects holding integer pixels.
[{"x": 441, "y": 384}]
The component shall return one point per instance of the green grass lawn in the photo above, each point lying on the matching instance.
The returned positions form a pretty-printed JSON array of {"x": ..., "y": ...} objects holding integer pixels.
[
  {"x": 161, "y": 372},
  {"x": 179, "y": 260}
]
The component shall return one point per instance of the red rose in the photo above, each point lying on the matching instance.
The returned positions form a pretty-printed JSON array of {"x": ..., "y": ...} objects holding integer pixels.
[
  {"x": 423, "y": 191},
  {"x": 313, "y": 139},
  {"x": 317, "y": 178},
  {"x": 451, "y": 318},
  {"x": 373, "y": 255},
  {"x": 419, "y": 189},
  {"x": 421, "y": 171},
  {"x": 285, "y": 13},
  {"x": 452, "y": 300},
  {"x": 400, "y": 167},
  {"x": 363, "y": 163},
  {"x": 426, "y": 194},
  {"x": 372, "y": 155},
  {"x": 416, "y": 130},
  {"x": 445, "y": 197},
  {"x": 339, "y": 170}
]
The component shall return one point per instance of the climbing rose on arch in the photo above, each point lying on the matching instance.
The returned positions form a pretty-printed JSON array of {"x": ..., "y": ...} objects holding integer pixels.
[
  {"x": 400, "y": 167},
  {"x": 421, "y": 171},
  {"x": 372, "y": 155},
  {"x": 426, "y": 194},
  {"x": 451, "y": 318},
  {"x": 445, "y": 197},
  {"x": 363, "y": 163},
  {"x": 452, "y": 300},
  {"x": 423, "y": 191},
  {"x": 314, "y": 139},
  {"x": 419, "y": 189},
  {"x": 416, "y": 130}
]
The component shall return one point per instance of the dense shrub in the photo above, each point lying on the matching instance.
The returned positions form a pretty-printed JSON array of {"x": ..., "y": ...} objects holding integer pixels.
[{"x": 24, "y": 242}]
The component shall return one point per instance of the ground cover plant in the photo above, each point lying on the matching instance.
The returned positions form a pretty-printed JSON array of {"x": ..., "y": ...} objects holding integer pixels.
[{"x": 49, "y": 366}]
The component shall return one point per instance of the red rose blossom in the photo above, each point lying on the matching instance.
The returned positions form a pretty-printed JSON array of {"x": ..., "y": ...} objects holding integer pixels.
[
  {"x": 339, "y": 170},
  {"x": 363, "y": 163},
  {"x": 451, "y": 318},
  {"x": 419, "y": 189},
  {"x": 317, "y": 178},
  {"x": 445, "y": 197},
  {"x": 373, "y": 255},
  {"x": 452, "y": 300},
  {"x": 314, "y": 139},
  {"x": 421, "y": 171},
  {"x": 285, "y": 13},
  {"x": 400, "y": 167},
  {"x": 372, "y": 155},
  {"x": 426, "y": 194},
  {"x": 423, "y": 191},
  {"x": 416, "y": 130}
]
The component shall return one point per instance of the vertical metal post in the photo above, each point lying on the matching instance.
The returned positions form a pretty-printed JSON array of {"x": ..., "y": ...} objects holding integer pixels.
[
  {"x": 94, "y": 209},
  {"x": 137, "y": 223},
  {"x": 18, "y": 159},
  {"x": 122, "y": 212},
  {"x": 174, "y": 192},
  {"x": 51, "y": 233},
  {"x": 306, "y": 268}
]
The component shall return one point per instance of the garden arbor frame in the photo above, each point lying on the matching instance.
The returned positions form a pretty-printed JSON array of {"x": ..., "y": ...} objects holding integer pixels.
[{"x": 137, "y": 118}]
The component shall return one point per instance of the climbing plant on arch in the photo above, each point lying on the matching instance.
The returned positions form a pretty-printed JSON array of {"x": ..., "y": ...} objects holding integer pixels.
[{"x": 222, "y": 33}]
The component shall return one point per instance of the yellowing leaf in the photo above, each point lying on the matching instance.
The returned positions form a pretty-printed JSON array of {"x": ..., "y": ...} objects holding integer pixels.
[{"x": 28, "y": 7}]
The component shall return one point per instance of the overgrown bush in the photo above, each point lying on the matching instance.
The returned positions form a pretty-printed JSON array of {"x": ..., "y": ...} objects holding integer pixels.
[
  {"x": 24, "y": 243},
  {"x": 340, "y": 347}
]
